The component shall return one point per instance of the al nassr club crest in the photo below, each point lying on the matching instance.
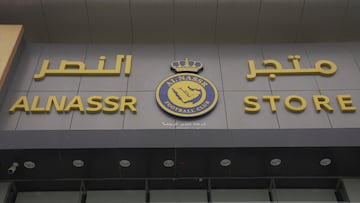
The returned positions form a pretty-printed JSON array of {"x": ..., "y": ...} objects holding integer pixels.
[{"x": 186, "y": 94}]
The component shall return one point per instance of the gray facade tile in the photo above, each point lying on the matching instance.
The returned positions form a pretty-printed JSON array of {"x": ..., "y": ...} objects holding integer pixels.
[
  {"x": 55, "y": 53},
  {"x": 99, "y": 120},
  {"x": 46, "y": 121},
  {"x": 151, "y": 64},
  {"x": 36, "y": 140},
  {"x": 309, "y": 118},
  {"x": 89, "y": 139},
  {"x": 340, "y": 119},
  {"x": 195, "y": 138},
  {"x": 354, "y": 48},
  {"x": 159, "y": 138},
  {"x": 347, "y": 69},
  {"x": 234, "y": 67},
  {"x": 288, "y": 82},
  {"x": 105, "y": 83},
  {"x": 25, "y": 69},
  {"x": 215, "y": 119},
  {"x": 149, "y": 115},
  {"x": 237, "y": 117},
  {"x": 8, "y": 121},
  {"x": 207, "y": 55}
]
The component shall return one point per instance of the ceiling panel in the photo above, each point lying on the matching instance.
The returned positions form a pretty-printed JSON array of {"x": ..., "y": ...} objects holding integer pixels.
[
  {"x": 279, "y": 20},
  {"x": 67, "y": 20},
  {"x": 184, "y": 21},
  {"x": 34, "y": 21},
  {"x": 237, "y": 20},
  {"x": 350, "y": 29},
  {"x": 321, "y": 20},
  {"x": 109, "y": 21},
  {"x": 195, "y": 21},
  {"x": 152, "y": 20},
  {"x": 10, "y": 11}
]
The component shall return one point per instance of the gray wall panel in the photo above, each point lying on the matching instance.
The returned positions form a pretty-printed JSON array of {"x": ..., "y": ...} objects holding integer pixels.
[
  {"x": 55, "y": 53},
  {"x": 148, "y": 115},
  {"x": 46, "y": 121},
  {"x": 344, "y": 120},
  {"x": 195, "y": 138},
  {"x": 306, "y": 119},
  {"x": 234, "y": 67},
  {"x": 10, "y": 121},
  {"x": 105, "y": 83},
  {"x": 206, "y": 54},
  {"x": 88, "y": 138},
  {"x": 40, "y": 140},
  {"x": 99, "y": 120},
  {"x": 216, "y": 119},
  {"x": 151, "y": 64},
  {"x": 63, "y": 139},
  {"x": 280, "y": 53},
  {"x": 26, "y": 66},
  {"x": 238, "y": 119},
  {"x": 347, "y": 69},
  {"x": 354, "y": 48},
  {"x": 150, "y": 138}
]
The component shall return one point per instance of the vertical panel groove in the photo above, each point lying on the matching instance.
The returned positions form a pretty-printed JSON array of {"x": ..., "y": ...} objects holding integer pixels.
[
  {"x": 257, "y": 23},
  {"x": 45, "y": 21}
]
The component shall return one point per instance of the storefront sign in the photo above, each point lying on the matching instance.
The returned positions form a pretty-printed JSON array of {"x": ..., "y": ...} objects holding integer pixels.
[
  {"x": 92, "y": 104},
  {"x": 185, "y": 94}
]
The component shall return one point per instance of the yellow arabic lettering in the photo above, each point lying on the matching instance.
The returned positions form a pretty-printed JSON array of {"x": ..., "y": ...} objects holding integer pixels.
[
  {"x": 77, "y": 68},
  {"x": 275, "y": 64},
  {"x": 72, "y": 65},
  {"x": 295, "y": 61},
  {"x": 101, "y": 63},
  {"x": 322, "y": 67}
]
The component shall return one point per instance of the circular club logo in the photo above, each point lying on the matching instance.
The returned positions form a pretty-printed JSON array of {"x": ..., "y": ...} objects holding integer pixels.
[{"x": 186, "y": 94}]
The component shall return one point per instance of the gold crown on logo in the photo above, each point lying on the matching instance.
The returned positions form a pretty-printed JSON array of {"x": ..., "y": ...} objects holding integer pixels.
[{"x": 186, "y": 65}]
